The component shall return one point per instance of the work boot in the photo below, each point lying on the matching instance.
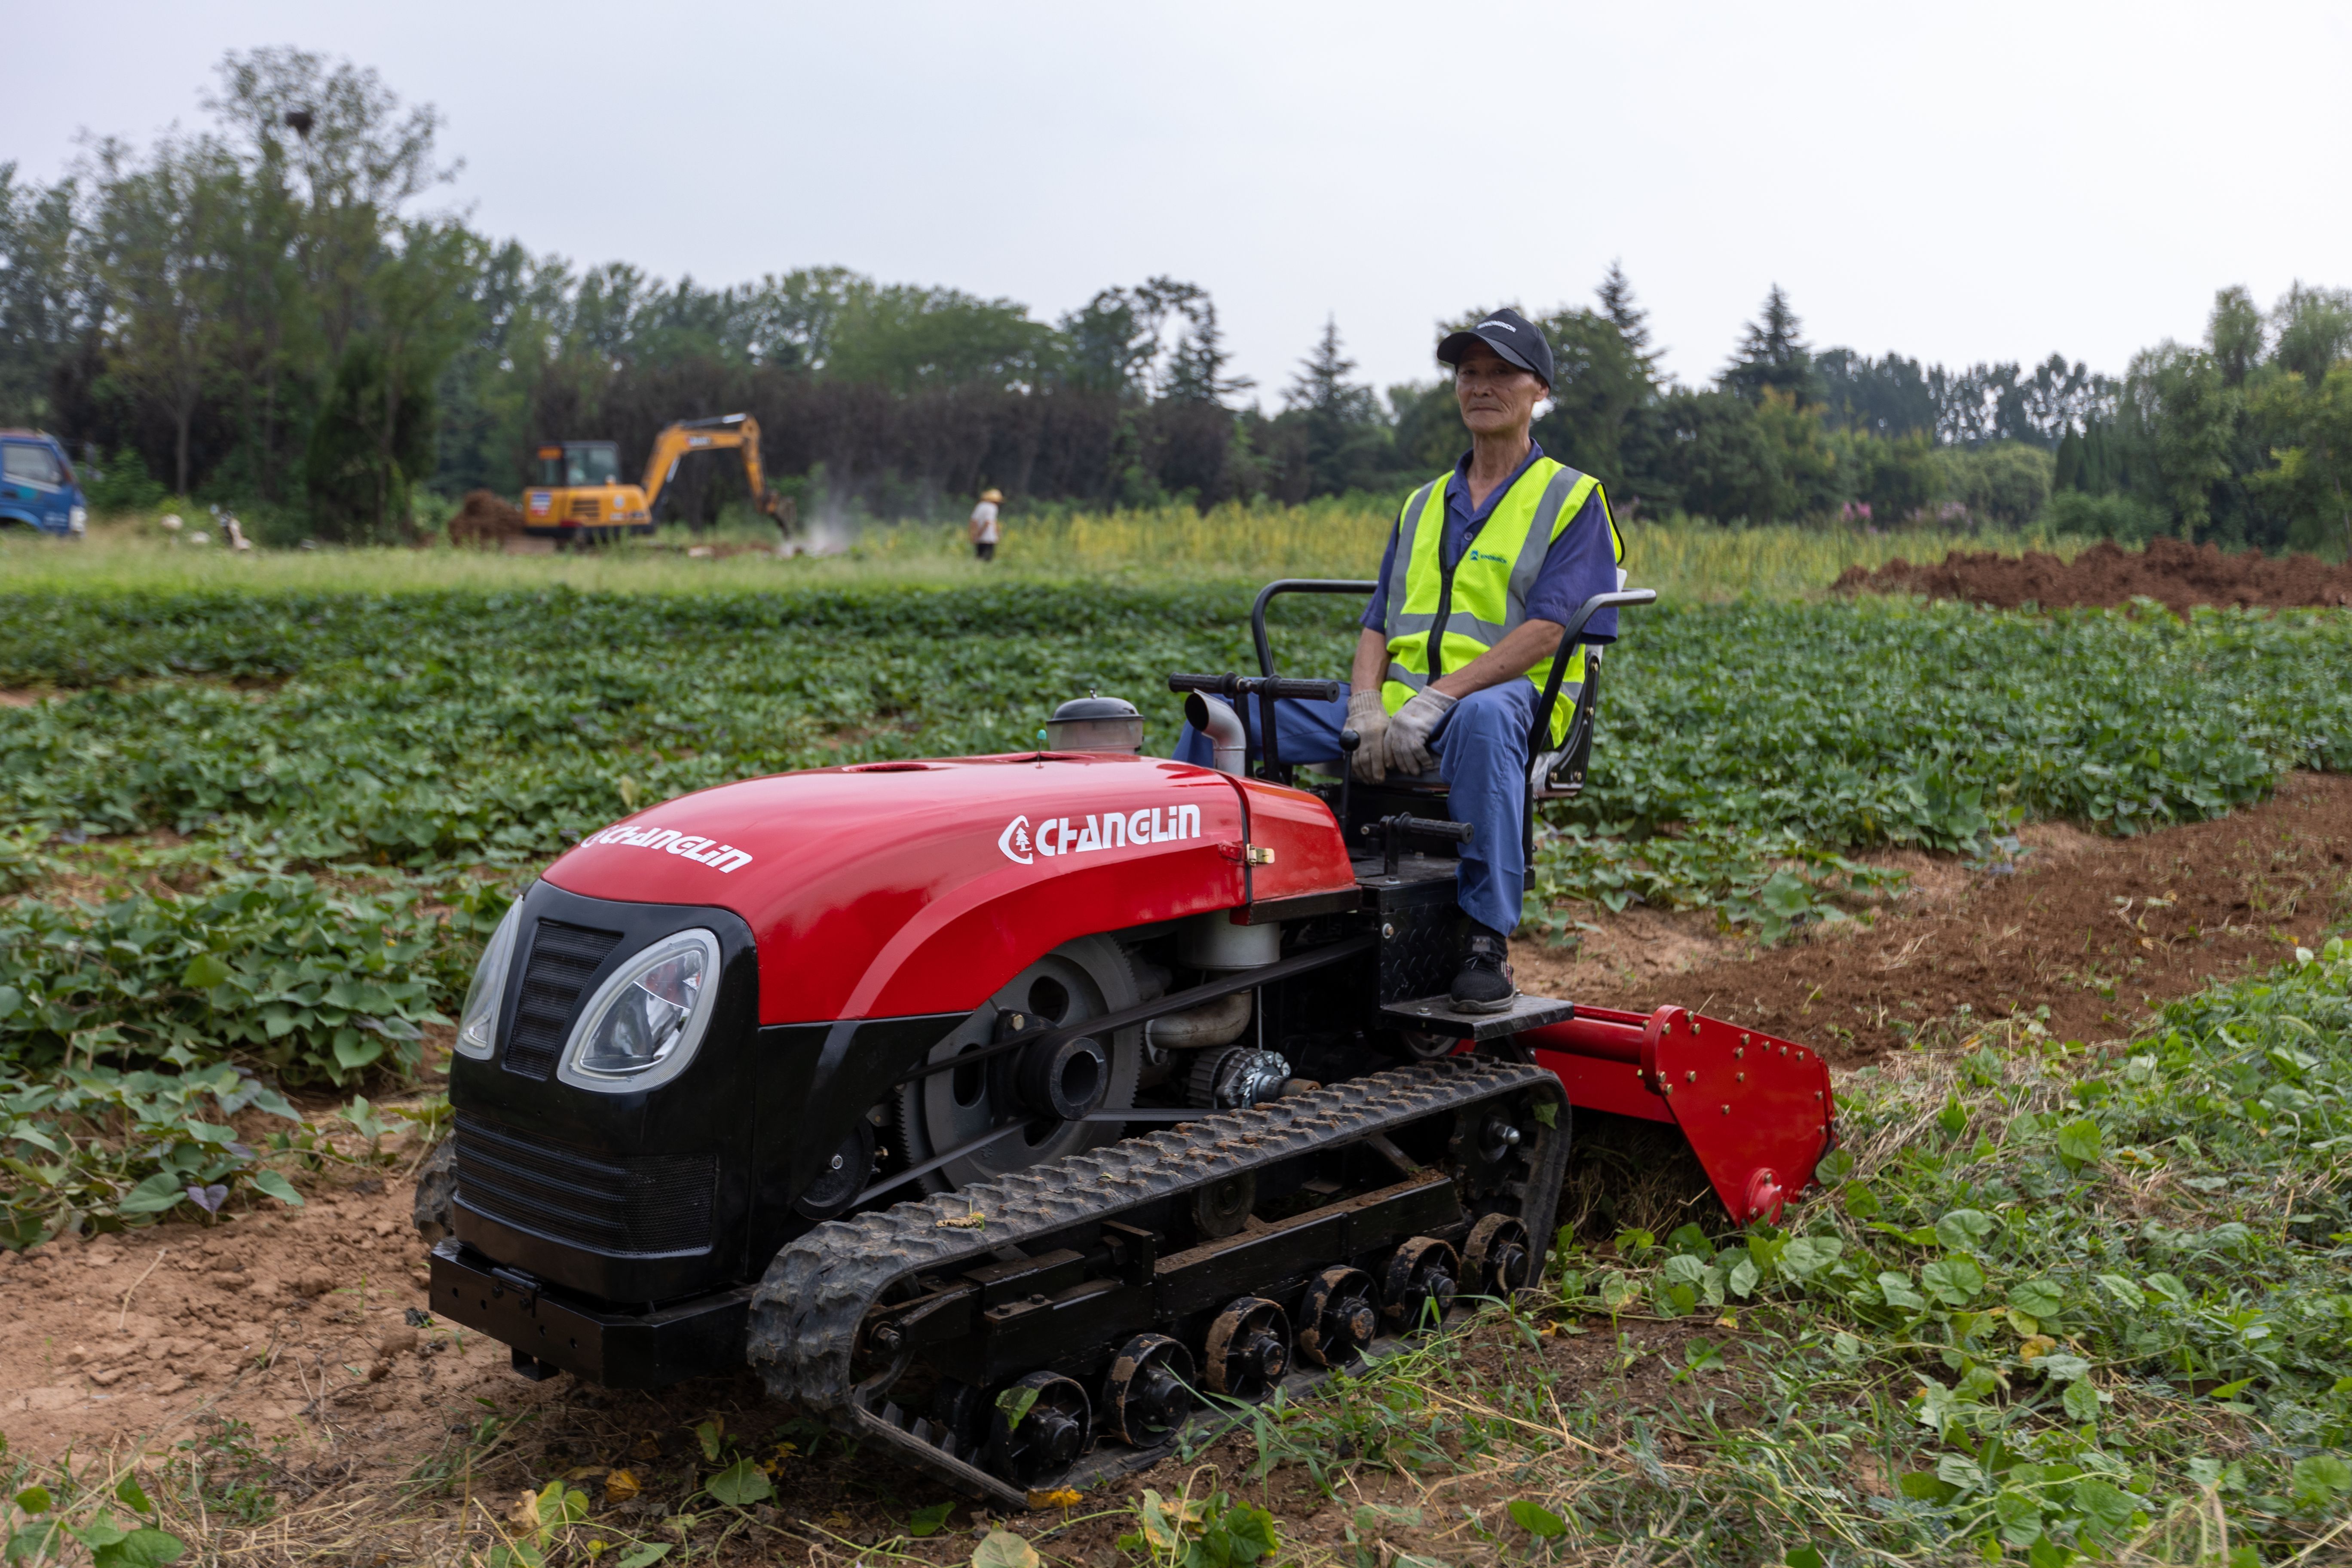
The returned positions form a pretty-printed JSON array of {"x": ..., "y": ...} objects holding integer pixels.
[{"x": 1484, "y": 984}]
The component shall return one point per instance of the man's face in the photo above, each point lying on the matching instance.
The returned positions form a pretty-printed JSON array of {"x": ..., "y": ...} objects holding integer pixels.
[{"x": 1494, "y": 393}]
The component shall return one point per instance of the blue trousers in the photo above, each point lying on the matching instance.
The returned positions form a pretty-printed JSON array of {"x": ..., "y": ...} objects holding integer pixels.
[{"x": 1481, "y": 750}]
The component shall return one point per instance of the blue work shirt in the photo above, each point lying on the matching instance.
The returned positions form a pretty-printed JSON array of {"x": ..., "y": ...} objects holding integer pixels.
[{"x": 1581, "y": 561}]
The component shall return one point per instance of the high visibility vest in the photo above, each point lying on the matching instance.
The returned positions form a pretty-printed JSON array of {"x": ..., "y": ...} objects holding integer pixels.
[{"x": 1483, "y": 597}]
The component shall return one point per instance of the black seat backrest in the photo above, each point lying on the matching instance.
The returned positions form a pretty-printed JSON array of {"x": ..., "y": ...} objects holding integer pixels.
[{"x": 1562, "y": 776}]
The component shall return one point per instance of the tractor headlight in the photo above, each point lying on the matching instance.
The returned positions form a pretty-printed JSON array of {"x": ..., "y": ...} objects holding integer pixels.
[
  {"x": 641, "y": 1027},
  {"x": 477, "y": 1021}
]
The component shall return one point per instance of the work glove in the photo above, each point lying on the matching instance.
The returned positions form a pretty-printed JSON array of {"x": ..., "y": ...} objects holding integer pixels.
[
  {"x": 1369, "y": 718},
  {"x": 1410, "y": 728}
]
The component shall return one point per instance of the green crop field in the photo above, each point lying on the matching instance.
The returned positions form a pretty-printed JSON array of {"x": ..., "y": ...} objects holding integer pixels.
[{"x": 259, "y": 828}]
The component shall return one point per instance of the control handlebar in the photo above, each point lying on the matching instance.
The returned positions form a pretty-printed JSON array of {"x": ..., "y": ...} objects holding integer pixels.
[{"x": 1278, "y": 687}]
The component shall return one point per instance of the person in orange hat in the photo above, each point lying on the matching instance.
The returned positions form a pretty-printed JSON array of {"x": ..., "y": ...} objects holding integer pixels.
[{"x": 983, "y": 524}]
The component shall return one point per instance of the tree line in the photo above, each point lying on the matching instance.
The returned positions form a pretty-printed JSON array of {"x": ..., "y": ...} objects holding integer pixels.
[{"x": 267, "y": 312}]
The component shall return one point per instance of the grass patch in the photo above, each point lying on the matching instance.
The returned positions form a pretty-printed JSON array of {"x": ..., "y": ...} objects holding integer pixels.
[
  {"x": 2052, "y": 1306},
  {"x": 1683, "y": 560}
]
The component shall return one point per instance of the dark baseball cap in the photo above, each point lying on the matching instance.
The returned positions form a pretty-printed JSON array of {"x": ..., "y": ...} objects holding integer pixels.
[{"x": 1509, "y": 334}]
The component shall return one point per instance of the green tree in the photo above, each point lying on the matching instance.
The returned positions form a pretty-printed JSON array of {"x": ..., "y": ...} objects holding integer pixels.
[
  {"x": 2309, "y": 431},
  {"x": 1345, "y": 436},
  {"x": 1897, "y": 479},
  {"x": 156, "y": 242},
  {"x": 1632, "y": 322},
  {"x": 2182, "y": 416},
  {"x": 374, "y": 439},
  {"x": 2235, "y": 334},
  {"x": 1197, "y": 367},
  {"x": 2007, "y": 484},
  {"x": 1601, "y": 384},
  {"x": 1718, "y": 461},
  {"x": 904, "y": 337},
  {"x": 2313, "y": 330},
  {"x": 1773, "y": 354},
  {"x": 42, "y": 293}
]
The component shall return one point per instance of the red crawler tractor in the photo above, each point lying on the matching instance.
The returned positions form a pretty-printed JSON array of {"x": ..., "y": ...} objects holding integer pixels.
[{"x": 1011, "y": 1110}]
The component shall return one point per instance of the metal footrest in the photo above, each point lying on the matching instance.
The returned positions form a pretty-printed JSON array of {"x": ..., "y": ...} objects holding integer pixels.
[{"x": 1436, "y": 1016}]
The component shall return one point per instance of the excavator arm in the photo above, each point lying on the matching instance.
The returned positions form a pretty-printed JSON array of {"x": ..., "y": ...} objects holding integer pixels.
[{"x": 725, "y": 432}]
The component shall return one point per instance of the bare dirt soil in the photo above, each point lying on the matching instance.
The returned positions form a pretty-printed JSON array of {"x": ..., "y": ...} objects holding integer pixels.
[
  {"x": 2100, "y": 931},
  {"x": 2178, "y": 574},
  {"x": 485, "y": 517},
  {"x": 381, "y": 1439}
]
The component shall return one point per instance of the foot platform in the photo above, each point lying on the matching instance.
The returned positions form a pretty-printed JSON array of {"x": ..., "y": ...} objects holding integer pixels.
[{"x": 1437, "y": 1015}]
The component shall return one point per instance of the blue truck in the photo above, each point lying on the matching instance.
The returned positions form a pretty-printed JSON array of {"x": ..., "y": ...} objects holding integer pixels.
[{"x": 37, "y": 485}]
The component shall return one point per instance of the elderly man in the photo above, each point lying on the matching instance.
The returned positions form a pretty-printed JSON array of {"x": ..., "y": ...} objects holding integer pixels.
[{"x": 1485, "y": 565}]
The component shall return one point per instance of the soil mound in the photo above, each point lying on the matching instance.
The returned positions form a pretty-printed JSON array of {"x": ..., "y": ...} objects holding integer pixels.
[
  {"x": 2178, "y": 574},
  {"x": 484, "y": 519}
]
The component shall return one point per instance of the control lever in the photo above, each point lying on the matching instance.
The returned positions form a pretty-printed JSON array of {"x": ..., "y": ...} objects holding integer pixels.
[{"x": 1393, "y": 828}]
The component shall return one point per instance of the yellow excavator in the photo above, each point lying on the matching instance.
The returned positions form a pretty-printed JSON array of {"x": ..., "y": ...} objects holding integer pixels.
[{"x": 577, "y": 494}]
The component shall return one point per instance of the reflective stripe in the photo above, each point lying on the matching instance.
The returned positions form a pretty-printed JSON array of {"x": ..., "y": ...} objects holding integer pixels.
[
  {"x": 1400, "y": 569},
  {"x": 1553, "y": 513}
]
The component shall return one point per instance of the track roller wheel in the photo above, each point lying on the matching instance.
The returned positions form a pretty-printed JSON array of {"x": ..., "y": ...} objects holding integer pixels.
[
  {"x": 1497, "y": 1262},
  {"x": 1148, "y": 1390},
  {"x": 1046, "y": 1440},
  {"x": 1339, "y": 1317},
  {"x": 1248, "y": 1349},
  {"x": 1419, "y": 1284}
]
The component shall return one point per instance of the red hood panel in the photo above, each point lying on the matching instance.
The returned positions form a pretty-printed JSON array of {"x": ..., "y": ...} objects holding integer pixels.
[{"x": 893, "y": 888}]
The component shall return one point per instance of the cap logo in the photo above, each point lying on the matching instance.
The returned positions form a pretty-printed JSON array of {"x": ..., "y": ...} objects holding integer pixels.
[{"x": 1507, "y": 326}]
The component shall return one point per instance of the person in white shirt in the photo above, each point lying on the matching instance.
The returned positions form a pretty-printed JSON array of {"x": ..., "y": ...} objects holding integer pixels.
[{"x": 984, "y": 525}]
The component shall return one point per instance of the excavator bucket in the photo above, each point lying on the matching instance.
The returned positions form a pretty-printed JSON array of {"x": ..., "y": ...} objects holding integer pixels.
[{"x": 1756, "y": 1109}]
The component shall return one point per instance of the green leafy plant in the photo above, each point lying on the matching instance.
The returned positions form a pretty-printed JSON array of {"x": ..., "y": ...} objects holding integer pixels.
[
  {"x": 96, "y": 1146},
  {"x": 1215, "y": 1532}
]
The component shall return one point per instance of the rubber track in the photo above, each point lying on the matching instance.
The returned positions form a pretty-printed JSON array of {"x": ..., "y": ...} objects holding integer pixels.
[{"x": 807, "y": 1309}]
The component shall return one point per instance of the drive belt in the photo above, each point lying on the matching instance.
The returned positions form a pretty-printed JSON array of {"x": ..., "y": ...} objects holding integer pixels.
[{"x": 806, "y": 1311}]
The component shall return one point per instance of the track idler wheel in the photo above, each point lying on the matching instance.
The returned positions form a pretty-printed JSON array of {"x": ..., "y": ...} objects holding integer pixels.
[
  {"x": 1419, "y": 1284},
  {"x": 1046, "y": 1440},
  {"x": 1221, "y": 1208},
  {"x": 1498, "y": 1261},
  {"x": 1339, "y": 1317},
  {"x": 1248, "y": 1349},
  {"x": 1148, "y": 1390}
]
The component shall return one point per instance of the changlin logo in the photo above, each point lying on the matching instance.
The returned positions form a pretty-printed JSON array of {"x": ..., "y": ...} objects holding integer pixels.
[
  {"x": 1110, "y": 831},
  {"x": 702, "y": 851}
]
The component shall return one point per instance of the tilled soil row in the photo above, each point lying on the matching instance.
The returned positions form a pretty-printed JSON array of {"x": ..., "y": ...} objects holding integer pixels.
[
  {"x": 2173, "y": 572},
  {"x": 2101, "y": 932}
]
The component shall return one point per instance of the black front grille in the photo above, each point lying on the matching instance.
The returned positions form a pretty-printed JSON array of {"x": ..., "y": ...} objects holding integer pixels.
[
  {"x": 633, "y": 1205},
  {"x": 563, "y": 957}
]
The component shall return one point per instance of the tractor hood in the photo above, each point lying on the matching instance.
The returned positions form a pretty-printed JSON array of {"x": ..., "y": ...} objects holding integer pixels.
[{"x": 884, "y": 889}]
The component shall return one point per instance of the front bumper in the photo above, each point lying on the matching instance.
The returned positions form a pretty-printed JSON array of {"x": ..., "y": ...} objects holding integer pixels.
[{"x": 550, "y": 1328}]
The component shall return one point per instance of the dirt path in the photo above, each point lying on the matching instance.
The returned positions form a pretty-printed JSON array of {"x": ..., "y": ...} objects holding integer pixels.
[
  {"x": 2100, "y": 931},
  {"x": 370, "y": 1431}
]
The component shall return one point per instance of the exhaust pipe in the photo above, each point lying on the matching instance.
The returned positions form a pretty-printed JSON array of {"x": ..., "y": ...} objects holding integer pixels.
[{"x": 1224, "y": 727}]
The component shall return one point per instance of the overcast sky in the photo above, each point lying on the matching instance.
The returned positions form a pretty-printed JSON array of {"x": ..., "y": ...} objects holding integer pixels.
[{"x": 1957, "y": 182}]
